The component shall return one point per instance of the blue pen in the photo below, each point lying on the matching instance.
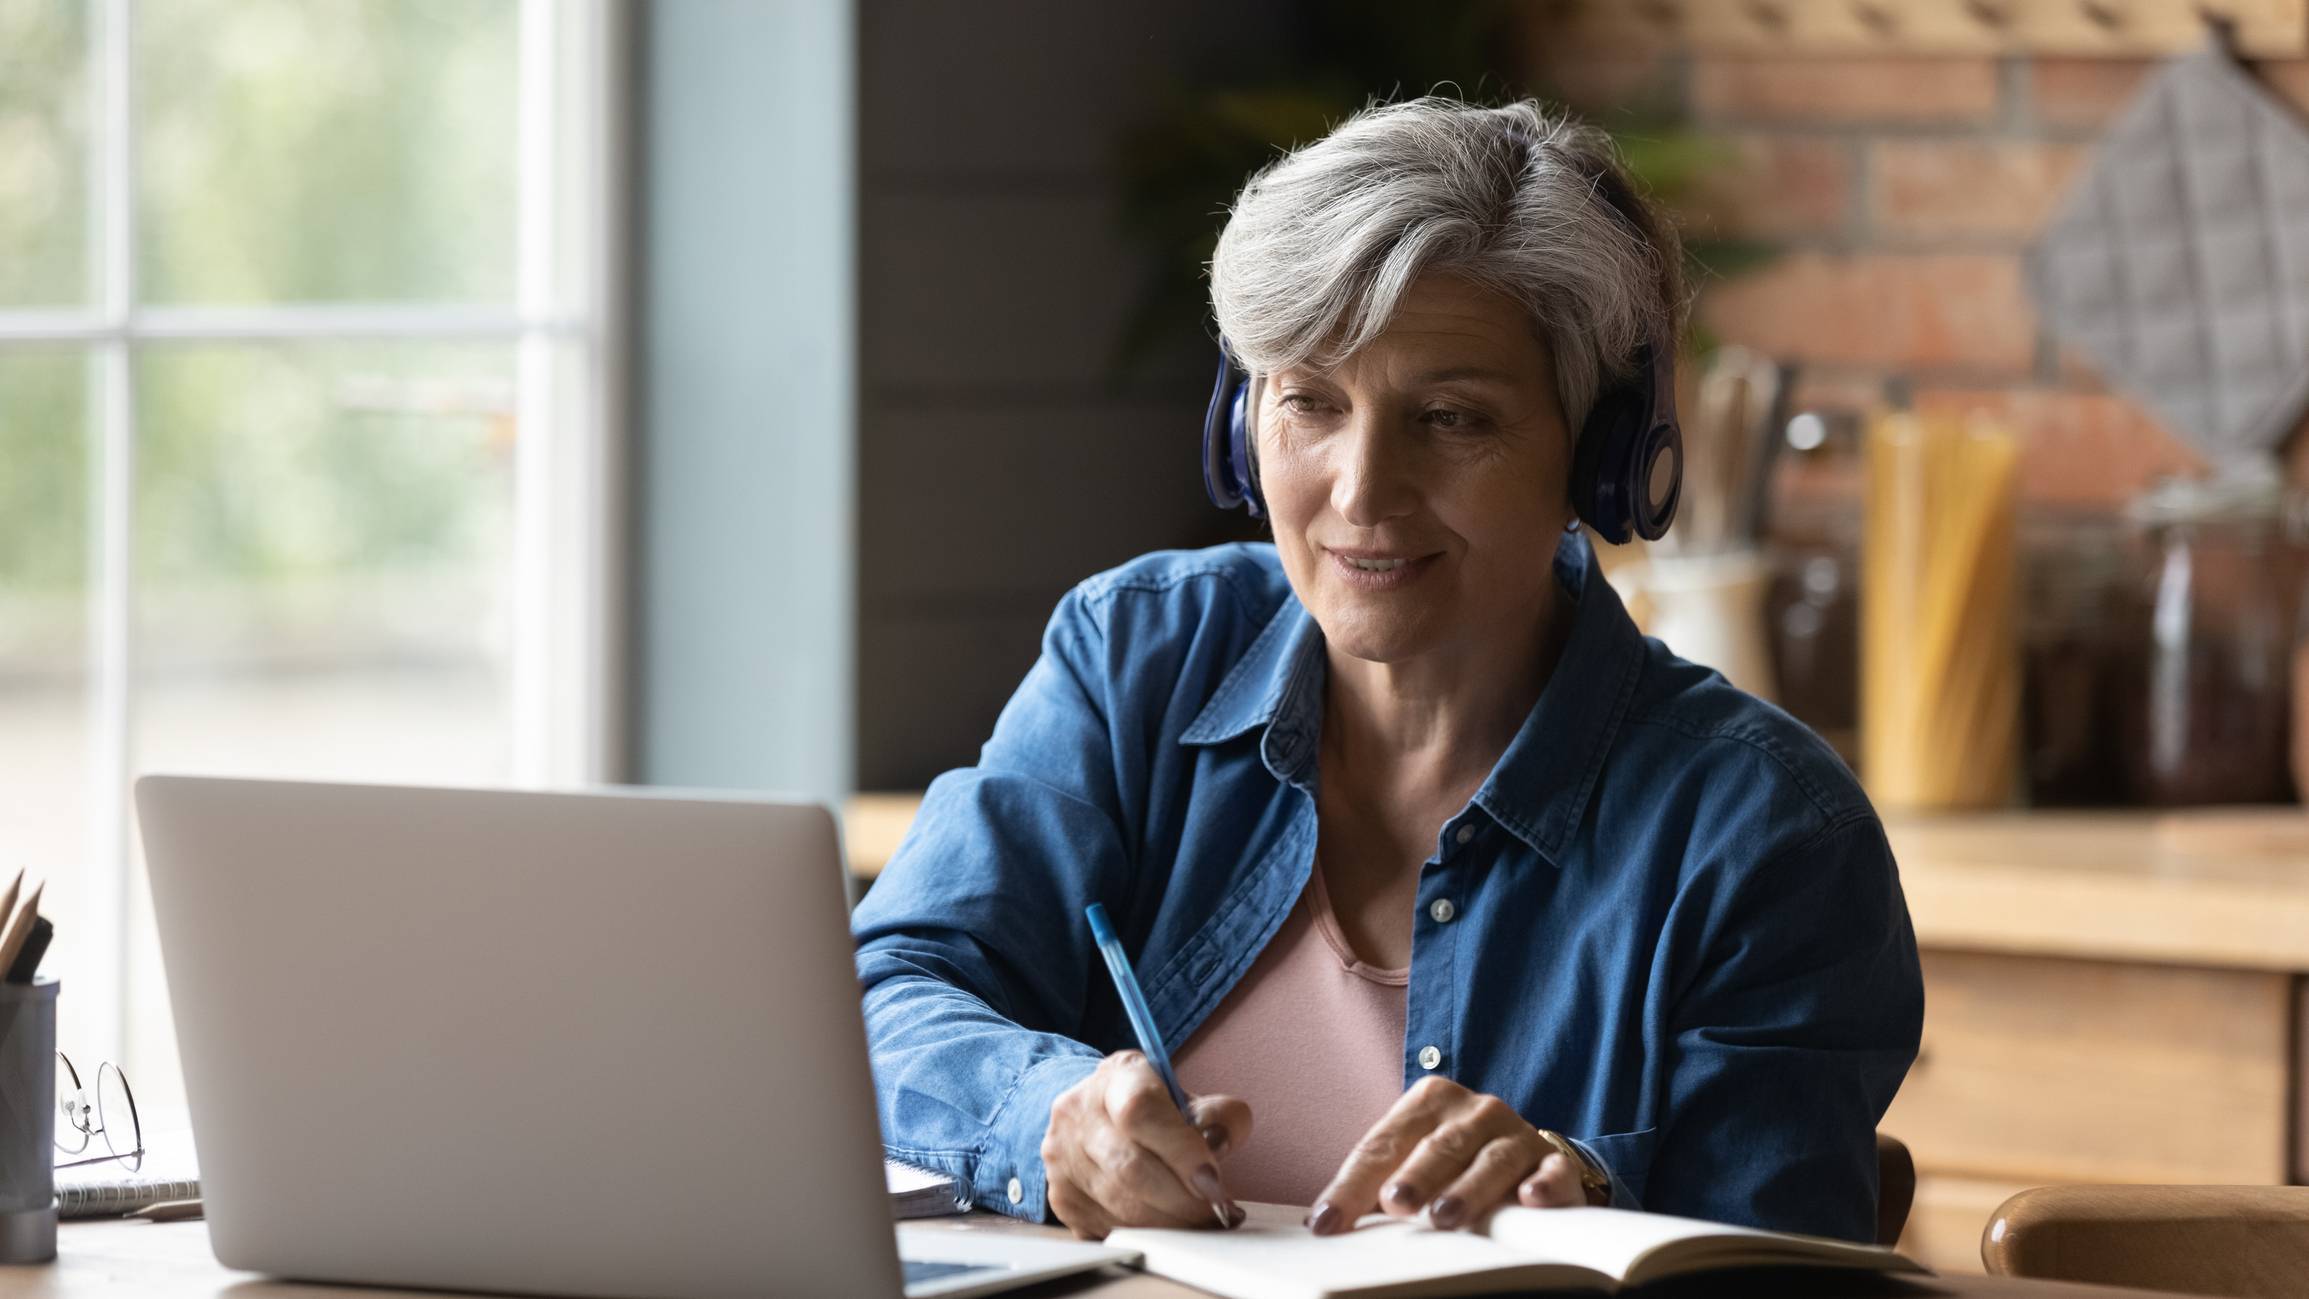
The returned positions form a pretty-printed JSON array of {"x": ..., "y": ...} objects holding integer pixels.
[{"x": 1142, "y": 1021}]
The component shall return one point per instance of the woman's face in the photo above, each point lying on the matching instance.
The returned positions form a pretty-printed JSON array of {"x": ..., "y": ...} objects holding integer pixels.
[{"x": 1418, "y": 490}]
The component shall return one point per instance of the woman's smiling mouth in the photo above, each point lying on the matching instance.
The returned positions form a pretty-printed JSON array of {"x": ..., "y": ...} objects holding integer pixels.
[{"x": 1379, "y": 570}]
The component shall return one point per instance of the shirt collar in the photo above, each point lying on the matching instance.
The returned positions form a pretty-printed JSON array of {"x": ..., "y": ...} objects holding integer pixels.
[
  {"x": 1541, "y": 785},
  {"x": 1277, "y": 684}
]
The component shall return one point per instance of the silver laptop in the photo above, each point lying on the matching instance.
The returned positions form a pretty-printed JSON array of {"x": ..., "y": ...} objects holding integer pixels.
[{"x": 580, "y": 1044}]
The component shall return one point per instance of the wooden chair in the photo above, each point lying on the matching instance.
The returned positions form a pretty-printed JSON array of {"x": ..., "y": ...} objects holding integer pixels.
[
  {"x": 1895, "y": 1188},
  {"x": 2247, "y": 1241}
]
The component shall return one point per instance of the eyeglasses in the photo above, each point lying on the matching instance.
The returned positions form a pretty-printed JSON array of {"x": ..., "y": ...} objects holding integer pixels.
[{"x": 112, "y": 1116}]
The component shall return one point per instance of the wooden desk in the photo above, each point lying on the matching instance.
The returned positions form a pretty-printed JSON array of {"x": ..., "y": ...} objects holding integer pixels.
[{"x": 124, "y": 1259}]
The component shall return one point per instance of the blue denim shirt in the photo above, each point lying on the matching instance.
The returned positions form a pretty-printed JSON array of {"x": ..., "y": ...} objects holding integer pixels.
[{"x": 1676, "y": 934}]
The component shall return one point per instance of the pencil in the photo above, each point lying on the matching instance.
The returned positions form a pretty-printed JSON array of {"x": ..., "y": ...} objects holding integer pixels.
[
  {"x": 20, "y": 926},
  {"x": 8, "y": 900}
]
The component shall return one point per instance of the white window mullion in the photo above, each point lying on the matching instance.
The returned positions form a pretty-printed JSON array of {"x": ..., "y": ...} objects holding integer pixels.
[
  {"x": 534, "y": 407},
  {"x": 290, "y": 323},
  {"x": 57, "y": 326},
  {"x": 563, "y": 557},
  {"x": 341, "y": 321},
  {"x": 99, "y": 971},
  {"x": 101, "y": 974},
  {"x": 589, "y": 102}
]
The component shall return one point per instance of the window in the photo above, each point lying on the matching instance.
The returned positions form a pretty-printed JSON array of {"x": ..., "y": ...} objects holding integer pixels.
[{"x": 305, "y": 372}]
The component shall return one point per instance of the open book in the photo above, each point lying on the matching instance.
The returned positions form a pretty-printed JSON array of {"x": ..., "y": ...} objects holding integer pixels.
[{"x": 1272, "y": 1257}]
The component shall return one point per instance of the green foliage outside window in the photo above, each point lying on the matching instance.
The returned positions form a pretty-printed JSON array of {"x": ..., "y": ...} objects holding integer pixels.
[{"x": 285, "y": 152}]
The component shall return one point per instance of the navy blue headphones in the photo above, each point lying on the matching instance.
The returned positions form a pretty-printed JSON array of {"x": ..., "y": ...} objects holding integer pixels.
[{"x": 1627, "y": 467}]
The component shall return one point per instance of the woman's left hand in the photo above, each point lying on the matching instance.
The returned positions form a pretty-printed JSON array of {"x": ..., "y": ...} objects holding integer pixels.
[{"x": 1451, "y": 1151}]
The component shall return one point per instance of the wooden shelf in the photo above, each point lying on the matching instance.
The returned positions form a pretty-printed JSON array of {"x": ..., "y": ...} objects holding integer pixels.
[
  {"x": 872, "y": 825},
  {"x": 2225, "y": 888}
]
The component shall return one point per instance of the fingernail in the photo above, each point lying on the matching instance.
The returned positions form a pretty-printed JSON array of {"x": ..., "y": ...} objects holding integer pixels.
[
  {"x": 1215, "y": 1137},
  {"x": 1324, "y": 1219},
  {"x": 1206, "y": 1180},
  {"x": 1403, "y": 1193},
  {"x": 1235, "y": 1216},
  {"x": 1446, "y": 1212}
]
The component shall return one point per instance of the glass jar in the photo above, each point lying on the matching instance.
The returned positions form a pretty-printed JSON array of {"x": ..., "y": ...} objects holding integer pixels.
[
  {"x": 2211, "y": 698},
  {"x": 2076, "y": 637},
  {"x": 1813, "y": 615}
]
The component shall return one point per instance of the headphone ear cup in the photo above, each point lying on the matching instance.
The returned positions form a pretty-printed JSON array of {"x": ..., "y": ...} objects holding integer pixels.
[
  {"x": 1226, "y": 472},
  {"x": 1599, "y": 463},
  {"x": 1655, "y": 501},
  {"x": 1628, "y": 468},
  {"x": 1242, "y": 452}
]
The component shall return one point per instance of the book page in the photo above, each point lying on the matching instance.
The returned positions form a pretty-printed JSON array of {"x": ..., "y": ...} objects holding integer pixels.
[
  {"x": 1619, "y": 1243},
  {"x": 1271, "y": 1256}
]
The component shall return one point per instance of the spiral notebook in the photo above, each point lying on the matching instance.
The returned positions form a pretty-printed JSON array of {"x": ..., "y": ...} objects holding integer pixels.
[
  {"x": 108, "y": 1190},
  {"x": 919, "y": 1192}
]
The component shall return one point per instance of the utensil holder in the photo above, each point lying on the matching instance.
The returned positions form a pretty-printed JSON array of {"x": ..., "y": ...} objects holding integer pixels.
[{"x": 28, "y": 1121}]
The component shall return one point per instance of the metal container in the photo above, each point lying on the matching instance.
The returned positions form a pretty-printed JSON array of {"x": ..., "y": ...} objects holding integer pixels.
[{"x": 28, "y": 1121}]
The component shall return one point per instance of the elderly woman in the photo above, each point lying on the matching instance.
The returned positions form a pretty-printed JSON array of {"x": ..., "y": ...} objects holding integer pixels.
[{"x": 1447, "y": 888}]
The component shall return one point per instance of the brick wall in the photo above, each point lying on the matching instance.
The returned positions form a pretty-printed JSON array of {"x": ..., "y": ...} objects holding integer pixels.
[{"x": 1899, "y": 194}]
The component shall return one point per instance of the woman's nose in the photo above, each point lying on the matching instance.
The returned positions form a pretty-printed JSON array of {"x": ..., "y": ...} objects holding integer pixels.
[{"x": 1372, "y": 479}]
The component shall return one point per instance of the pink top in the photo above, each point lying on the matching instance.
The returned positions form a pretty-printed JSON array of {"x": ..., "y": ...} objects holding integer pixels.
[{"x": 1312, "y": 1038}]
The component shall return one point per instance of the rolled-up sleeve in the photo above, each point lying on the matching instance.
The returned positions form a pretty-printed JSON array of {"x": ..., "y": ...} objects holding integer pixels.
[
  {"x": 1801, "y": 1012},
  {"x": 973, "y": 955}
]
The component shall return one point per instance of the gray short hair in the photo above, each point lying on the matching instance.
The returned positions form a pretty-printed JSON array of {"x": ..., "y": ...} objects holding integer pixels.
[{"x": 1323, "y": 242}]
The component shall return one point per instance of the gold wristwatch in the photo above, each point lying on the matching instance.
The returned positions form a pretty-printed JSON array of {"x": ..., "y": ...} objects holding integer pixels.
[{"x": 1591, "y": 1179}]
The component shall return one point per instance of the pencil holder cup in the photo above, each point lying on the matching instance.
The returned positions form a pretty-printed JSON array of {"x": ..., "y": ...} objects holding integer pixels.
[{"x": 28, "y": 1121}]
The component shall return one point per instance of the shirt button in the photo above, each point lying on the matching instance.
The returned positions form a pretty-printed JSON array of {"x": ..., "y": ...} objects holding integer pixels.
[
  {"x": 1015, "y": 1191},
  {"x": 1442, "y": 910},
  {"x": 1429, "y": 1057},
  {"x": 1466, "y": 832}
]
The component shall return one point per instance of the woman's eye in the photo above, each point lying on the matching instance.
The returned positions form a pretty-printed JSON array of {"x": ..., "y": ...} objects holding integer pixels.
[
  {"x": 1298, "y": 402},
  {"x": 1444, "y": 417}
]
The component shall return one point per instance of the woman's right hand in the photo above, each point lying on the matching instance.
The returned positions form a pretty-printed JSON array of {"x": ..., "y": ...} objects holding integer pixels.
[{"x": 1118, "y": 1153}]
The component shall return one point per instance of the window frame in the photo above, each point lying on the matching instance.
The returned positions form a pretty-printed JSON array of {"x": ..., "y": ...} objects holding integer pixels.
[{"x": 566, "y": 329}]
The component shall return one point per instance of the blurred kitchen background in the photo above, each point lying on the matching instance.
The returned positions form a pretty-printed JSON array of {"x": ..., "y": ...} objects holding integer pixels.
[{"x": 721, "y": 394}]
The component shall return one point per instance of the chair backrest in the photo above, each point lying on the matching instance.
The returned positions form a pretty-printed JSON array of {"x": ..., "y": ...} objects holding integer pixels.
[
  {"x": 1895, "y": 1188},
  {"x": 2248, "y": 1242}
]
